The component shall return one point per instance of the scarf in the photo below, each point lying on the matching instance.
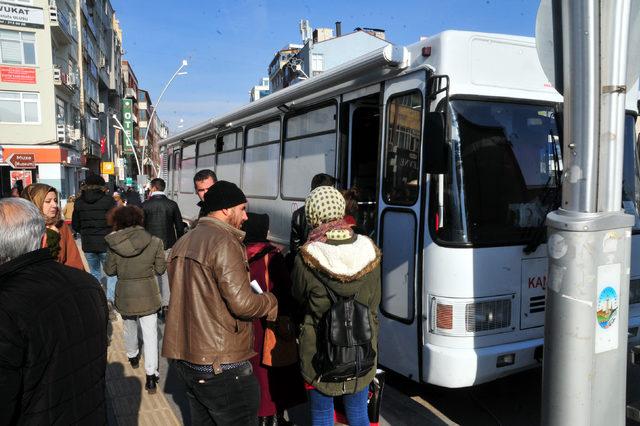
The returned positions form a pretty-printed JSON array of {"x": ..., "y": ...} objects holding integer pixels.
[{"x": 338, "y": 229}]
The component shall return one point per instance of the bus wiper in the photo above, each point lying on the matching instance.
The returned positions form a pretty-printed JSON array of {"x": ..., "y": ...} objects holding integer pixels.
[{"x": 551, "y": 197}]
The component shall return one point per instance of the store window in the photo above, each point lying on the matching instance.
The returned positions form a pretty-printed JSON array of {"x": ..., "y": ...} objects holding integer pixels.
[
  {"x": 19, "y": 107},
  {"x": 17, "y": 47}
]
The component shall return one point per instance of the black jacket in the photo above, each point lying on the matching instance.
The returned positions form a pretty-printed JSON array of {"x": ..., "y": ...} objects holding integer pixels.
[
  {"x": 90, "y": 218},
  {"x": 132, "y": 198},
  {"x": 53, "y": 343},
  {"x": 162, "y": 219}
]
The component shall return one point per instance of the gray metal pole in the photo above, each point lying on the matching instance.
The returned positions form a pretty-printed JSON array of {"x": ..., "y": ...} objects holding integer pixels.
[{"x": 586, "y": 319}]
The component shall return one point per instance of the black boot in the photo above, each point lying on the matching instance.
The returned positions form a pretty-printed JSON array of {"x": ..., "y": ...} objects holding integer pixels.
[
  {"x": 150, "y": 385},
  {"x": 135, "y": 361}
]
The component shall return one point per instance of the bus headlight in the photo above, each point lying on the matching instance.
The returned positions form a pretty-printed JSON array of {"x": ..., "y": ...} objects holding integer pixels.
[{"x": 471, "y": 317}]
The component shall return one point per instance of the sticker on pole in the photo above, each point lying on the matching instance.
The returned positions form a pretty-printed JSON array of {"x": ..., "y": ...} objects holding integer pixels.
[{"x": 608, "y": 308}]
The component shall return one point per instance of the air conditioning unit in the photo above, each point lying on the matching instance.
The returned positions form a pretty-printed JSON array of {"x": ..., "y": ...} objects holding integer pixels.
[
  {"x": 57, "y": 76},
  {"x": 72, "y": 79},
  {"x": 101, "y": 107},
  {"x": 102, "y": 62},
  {"x": 53, "y": 14},
  {"x": 60, "y": 130}
]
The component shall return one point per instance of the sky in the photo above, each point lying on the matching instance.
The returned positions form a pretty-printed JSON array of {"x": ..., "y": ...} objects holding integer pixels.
[{"x": 230, "y": 43}]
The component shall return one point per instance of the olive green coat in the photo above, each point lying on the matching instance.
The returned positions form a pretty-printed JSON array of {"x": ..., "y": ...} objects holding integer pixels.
[
  {"x": 347, "y": 269},
  {"x": 136, "y": 258}
]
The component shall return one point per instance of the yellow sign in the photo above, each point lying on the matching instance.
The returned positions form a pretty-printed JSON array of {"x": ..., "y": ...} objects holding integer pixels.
[{"x": 107, "y": 168}]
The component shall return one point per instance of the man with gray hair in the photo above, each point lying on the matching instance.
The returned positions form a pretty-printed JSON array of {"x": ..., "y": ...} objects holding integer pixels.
[{"x": 53, "y": 329}]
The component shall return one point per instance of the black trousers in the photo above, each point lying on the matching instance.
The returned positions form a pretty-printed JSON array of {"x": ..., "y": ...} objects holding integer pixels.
[{"x": 229, "y": 398}]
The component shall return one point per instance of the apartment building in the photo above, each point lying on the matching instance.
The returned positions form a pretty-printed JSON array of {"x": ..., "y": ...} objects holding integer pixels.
[{"x": 59, "y": 81}]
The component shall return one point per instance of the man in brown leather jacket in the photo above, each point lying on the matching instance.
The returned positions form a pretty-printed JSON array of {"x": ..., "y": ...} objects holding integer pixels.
[{"x": 209, "y": 323}]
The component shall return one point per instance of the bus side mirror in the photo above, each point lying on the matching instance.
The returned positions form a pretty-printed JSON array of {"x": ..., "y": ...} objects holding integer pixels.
[{"x": 435, "y": 143}]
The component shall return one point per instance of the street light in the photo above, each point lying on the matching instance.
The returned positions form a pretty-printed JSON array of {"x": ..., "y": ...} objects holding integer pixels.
[
  {"x": 133, "y": 148},
  {"x": 178, "y": 72}
]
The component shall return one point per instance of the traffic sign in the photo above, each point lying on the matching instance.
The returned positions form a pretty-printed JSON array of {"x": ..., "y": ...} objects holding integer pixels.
[{"x": 22, "y": 161}]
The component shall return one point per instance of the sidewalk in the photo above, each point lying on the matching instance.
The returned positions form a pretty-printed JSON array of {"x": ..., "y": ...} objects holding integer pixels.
[{"x": 128, "y": 403}]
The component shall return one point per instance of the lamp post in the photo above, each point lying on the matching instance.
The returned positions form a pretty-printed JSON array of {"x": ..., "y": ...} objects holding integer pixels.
[
  {"x": 178, "y": 72},
  {"x": 133, "y": 148}
]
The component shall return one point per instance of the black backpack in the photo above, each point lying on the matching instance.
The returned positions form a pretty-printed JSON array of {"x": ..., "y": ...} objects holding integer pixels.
[{"x": 344, "y": 349}]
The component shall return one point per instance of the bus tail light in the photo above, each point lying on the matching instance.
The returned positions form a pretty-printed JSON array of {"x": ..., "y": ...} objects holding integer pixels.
[{"x": 471, "y": 317}]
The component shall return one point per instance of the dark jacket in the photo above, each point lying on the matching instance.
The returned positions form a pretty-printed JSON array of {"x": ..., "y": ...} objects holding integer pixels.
[
  {"x": 132, "y": 198},
  {"x": 212, "y": 304},
  {"x": 162, "y": 219},
  {"x": 299, "y": 233},
  {"x": 90, "y": 218},
  {"x": 347, "y": 268},
  {"x": 136, "y": 258},
  {"x": 53, "y": 343}
]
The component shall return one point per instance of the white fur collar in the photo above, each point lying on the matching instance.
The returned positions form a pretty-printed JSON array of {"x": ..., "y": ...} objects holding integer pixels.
[{"x": 345, "y": 262}]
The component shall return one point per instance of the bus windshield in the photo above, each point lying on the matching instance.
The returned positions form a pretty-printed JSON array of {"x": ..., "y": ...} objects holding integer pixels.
[{"x": 506, "y": 168}]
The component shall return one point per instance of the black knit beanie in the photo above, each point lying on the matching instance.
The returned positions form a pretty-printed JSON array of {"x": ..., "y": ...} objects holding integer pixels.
[
  {"x": 94, "y": 179},
  {"x": 223, "y": 195}
]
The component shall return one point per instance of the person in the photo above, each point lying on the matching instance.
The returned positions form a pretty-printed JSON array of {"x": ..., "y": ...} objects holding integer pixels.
[
  {"x": 67, "y": 211},
  {"x": 299, "y": 227},
  {"x": 162, "y": 219},
  {"x": 280, "y": 387},
  {"x": 118, "y": 199},
  {"x": 208, "y": 328},
  {"x": 15, "y": 192},
  {"x": 58, "y": 236},
  {"x": 90, "y": 221},
  {"x": 334, "y": 261},
  {"x": 53, "y": 329},
  {"x": 135, "y": 257},
  {"x": 132, "y": 198},
  {"x": 202, "y": 181}
]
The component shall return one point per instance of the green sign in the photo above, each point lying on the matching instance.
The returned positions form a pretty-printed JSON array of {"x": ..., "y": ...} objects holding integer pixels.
[
  {"x": 129, "y": 181},
  {"x": 127, "y": 124}
]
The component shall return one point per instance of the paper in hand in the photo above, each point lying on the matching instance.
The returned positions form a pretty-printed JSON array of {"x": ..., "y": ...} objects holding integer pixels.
[{"x": 256, "y": 287}]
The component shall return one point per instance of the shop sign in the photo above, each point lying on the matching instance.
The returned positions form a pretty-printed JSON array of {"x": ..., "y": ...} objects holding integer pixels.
[
  {"x": 21, "y": 16},
  {"x": 22, "y": 161},
  {"x": 17, "y": 75},
  {"x": 127, "y": 124},
  {"x": 74, "y": 158},
  {"x": 107, "y": 168},
  {"x": 24, "y": 175}
]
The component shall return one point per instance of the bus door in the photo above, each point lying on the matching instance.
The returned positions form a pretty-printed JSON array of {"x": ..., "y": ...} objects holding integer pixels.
[
  {"x": 362, "y": 165},
  {"x": 399, "y": 223}
]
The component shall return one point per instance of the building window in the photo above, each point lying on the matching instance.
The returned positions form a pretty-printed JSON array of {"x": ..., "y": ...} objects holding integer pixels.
[
  {"x": 19, "y": 107},
  {"x": 17, "y": 47},
  {"x": 317, "y": 62}
]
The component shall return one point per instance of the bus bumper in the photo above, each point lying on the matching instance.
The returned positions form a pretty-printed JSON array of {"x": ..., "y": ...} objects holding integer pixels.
[{"x": 457, "y": 368}]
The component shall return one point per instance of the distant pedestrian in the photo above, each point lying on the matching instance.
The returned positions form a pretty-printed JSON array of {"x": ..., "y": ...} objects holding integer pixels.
[
  {"x": 209, "y": 322},
  {"x": 58, "y": 236},
  {"x": 299, "y": 227},
  {"x": 90, "y": 221},
  {"x": 281, "y": 385},
  {"x": 136, "y": 257},
  {"x": 132, "y": 197},
  {"x": 15, "y": 192},
  {"x": 53, "y": 329},
  {"x": 118, "y": 199},
  {"x": 162, "y": 219},
  {"x": 67, "y": 211},
  {"x": 337, "y": 267},
  {"x": 202, "y": 181}
]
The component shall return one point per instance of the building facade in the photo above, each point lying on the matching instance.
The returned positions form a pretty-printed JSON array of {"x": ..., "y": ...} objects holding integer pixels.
[
  {"x": 59, "y": 83},
  {"x": 260, "y": 90}
]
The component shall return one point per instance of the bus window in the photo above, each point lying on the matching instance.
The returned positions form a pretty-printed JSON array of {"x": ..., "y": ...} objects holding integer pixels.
[
  {"x": 206, "y": 154},
  {"x": 309, "y": 149},
  {"x": 261, "y": 160},
  {"x": 402, "y": 149},
  {"x": 188, "y": 167}
]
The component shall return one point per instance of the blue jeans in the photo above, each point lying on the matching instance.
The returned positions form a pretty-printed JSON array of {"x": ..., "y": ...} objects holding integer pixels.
[
  {"x": 96, "y": 261},
  {"x": 355, "y": 407}
]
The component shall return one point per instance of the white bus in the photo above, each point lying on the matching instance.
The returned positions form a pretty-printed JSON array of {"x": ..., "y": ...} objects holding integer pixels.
[{"x": 453, "y": 145}]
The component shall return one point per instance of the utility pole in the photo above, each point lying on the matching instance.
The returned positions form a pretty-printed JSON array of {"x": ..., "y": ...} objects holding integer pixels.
[{"x": 589, "y": 244}]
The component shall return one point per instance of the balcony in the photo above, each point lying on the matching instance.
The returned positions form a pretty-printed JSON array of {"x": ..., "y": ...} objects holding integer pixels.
[
  {"x": 62, "y": 30},
  {"x": 130, "y": 92}
]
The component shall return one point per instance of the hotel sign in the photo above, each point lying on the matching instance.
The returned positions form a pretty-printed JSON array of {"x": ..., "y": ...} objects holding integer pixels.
[
  {"x": 127, "y": 124},
  {"x": 21, "y": 16},
  {"x": 17, "y": 75}
]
